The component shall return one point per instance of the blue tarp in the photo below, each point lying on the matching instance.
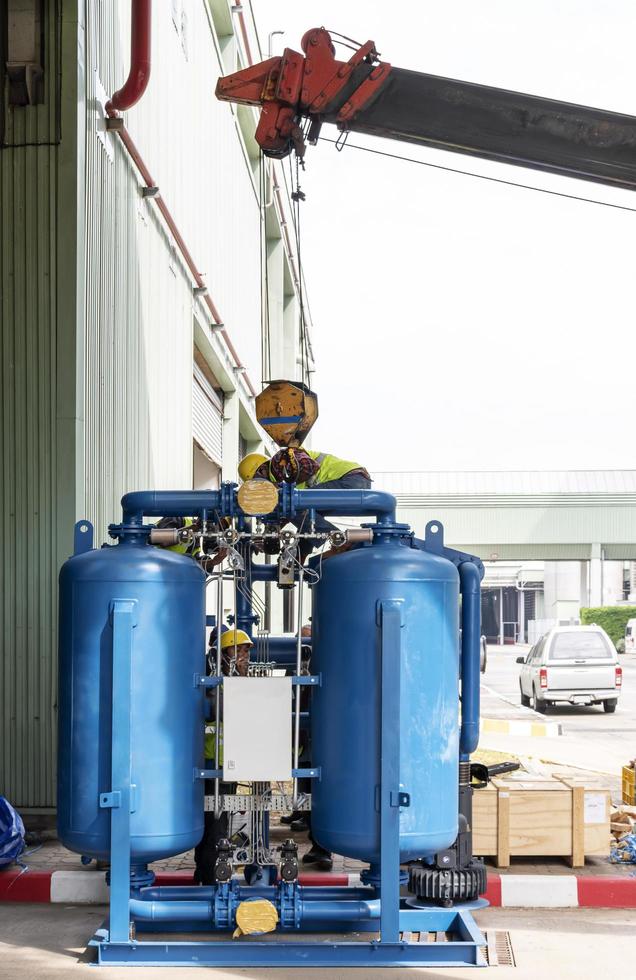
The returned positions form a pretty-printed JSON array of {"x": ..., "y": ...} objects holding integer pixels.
[{"x": 11, "y": 833}]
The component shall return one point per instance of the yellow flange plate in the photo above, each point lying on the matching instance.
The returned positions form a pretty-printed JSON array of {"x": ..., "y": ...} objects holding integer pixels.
[{"x": 254, "y": 917}]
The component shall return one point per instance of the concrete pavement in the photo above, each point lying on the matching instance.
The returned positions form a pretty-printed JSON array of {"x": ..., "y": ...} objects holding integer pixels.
[{"x": 48, "y": 942}]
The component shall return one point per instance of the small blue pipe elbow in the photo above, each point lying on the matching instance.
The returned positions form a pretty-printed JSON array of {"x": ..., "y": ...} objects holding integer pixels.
[{"x": 469, "y": 579}]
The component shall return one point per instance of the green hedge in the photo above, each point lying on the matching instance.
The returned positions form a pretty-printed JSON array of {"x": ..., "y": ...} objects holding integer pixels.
[{"x": 613, "y": 619}]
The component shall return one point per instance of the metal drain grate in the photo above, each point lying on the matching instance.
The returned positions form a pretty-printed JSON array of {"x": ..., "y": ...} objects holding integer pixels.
[
  {"x": 498, "y": 951},
  {"x": 427, "y": 937}
]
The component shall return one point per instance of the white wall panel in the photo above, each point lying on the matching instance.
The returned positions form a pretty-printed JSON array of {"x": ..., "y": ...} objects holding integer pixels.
[
  {"x": 138, "y": 361},
  {"x": 192, "y": 146}
]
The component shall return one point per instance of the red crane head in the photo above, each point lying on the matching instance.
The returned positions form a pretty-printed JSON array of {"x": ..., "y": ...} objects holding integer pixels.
[{"x": 293, "y": 90}]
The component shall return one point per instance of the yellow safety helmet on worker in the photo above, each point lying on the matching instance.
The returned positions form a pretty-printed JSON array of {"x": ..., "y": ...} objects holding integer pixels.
[
  {"x": 235, "y": 638},
  {"x": 249, "y": 465}
]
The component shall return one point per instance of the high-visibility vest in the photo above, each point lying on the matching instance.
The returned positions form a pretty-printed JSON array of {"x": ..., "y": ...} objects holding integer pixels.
[
  {"x": 331, "y": 468},
  {"x": 210, "y": 743}
]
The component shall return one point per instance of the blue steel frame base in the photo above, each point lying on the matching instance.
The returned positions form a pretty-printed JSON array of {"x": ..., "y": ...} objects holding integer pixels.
[{"x": 277, "y": 951}]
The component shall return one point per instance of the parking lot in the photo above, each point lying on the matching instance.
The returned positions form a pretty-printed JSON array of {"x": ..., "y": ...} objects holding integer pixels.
[{"x": 588, "y": 738}]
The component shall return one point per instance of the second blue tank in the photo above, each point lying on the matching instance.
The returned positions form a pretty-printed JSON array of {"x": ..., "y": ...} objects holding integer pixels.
[{"x": 346, "y": 707}]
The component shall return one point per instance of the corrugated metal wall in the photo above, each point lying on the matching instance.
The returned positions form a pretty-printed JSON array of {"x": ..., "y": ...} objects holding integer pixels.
[
  {"x": 28, "y": 435},
  {"x": 97, "y": 318}
]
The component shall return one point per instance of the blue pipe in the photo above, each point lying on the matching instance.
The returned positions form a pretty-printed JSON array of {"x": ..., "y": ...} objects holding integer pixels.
[
  {"x": 470, "y": 654},
  {"x": 177, "y": 893},
  {"x": 286, "y": 644},
  {"x": 340, "y": 911},
  {"x": 311, "y": 911},
  {"x": 336, "y": 892},
  {"x": 176, "y": 503},
  {"x": 180, "y": 893},
  {"x": 347, "y": 503},
  {"x": 263, "y": 573},
  {"x": 171, "y": 911},
  {"x": 203, "y": 911},
  {"x": 282, "y": 649},
  {"x": 167, "y": 503}
]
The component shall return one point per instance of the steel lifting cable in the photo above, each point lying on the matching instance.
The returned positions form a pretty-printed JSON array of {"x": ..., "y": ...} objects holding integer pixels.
[
  {"x": 301, "y": 290},
  {"x": 470, "y": 173},
  {"x": 304, "y": 336},
  {"x": 260, "y": 252},
  {"x": 297, "y": 196},
  {"x": 342, "y": 39},
  {"x": 266, "y": 347}
]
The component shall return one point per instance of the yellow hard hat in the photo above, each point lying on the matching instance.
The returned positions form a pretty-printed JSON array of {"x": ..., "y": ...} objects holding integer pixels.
[
  {"x": 249, "y": 464},
  {"x": 233, "y": 638}
]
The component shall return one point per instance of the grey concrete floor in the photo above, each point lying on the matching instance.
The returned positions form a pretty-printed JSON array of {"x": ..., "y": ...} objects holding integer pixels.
[{"x": 48, "y": 942}]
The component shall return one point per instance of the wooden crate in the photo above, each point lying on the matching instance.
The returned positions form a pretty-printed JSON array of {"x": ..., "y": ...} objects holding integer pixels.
[
  {"x": 530, "y": 816},
  {"x": 629, "y": 784}
]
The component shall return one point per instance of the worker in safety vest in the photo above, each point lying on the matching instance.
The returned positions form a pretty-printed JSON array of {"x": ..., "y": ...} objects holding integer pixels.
[
  {"x": 235, "y": 659},
  {"x": 307, "y": 468},
  {"x": 191, "y": 545}
]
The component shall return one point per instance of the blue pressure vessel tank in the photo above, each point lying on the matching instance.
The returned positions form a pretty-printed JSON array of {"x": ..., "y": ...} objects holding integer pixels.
[
  {"x": 345, "y": 714},
  {"x": 166, "y": 708}
]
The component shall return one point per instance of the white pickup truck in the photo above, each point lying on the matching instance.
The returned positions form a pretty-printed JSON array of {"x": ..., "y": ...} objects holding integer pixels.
[{"x": 577, "y": 664}]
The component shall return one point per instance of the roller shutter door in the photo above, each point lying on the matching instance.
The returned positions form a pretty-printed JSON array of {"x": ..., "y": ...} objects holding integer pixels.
[{"x": 207, "y": 416}]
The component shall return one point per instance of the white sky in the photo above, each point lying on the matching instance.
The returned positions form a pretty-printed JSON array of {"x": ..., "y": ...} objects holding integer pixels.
[{"x": 460, "y": 324}]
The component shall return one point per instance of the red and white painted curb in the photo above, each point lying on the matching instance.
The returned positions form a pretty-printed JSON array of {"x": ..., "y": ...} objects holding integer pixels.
[
  {"x": 90, "y": 888},
  {"x": 509, "y": 891},
  {"x": 561, "y": 891}
]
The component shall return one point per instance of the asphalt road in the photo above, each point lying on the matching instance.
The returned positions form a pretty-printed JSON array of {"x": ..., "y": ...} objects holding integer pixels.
[{"x": 613, "y": 733}]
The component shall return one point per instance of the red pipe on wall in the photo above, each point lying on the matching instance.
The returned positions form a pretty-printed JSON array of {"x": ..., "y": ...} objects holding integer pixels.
[
  {"x": 126, "y": 97},
  {"x": 139, "y": 74}
]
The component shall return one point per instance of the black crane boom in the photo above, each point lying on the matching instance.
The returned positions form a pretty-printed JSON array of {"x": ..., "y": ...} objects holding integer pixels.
[{"x": 298, "y": 93}]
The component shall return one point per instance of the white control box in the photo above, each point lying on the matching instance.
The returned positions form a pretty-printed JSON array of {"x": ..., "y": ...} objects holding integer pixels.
[{"x": 257, "y": 729}]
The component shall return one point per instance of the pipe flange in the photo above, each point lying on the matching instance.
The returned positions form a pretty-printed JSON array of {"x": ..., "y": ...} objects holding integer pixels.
[
  {"x": 121, "y": 531},
  {"x": 392, "y": 529}
]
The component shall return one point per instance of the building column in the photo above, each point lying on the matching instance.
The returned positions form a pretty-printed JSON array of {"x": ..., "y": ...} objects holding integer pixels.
[
  {"x": 613, "y": 576},
  {"x": 231, "y": 436},
  {"x": 521, "y": 637},
  {"x": 596, "y": 575},
  {"x": 585, "y": 594}
]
